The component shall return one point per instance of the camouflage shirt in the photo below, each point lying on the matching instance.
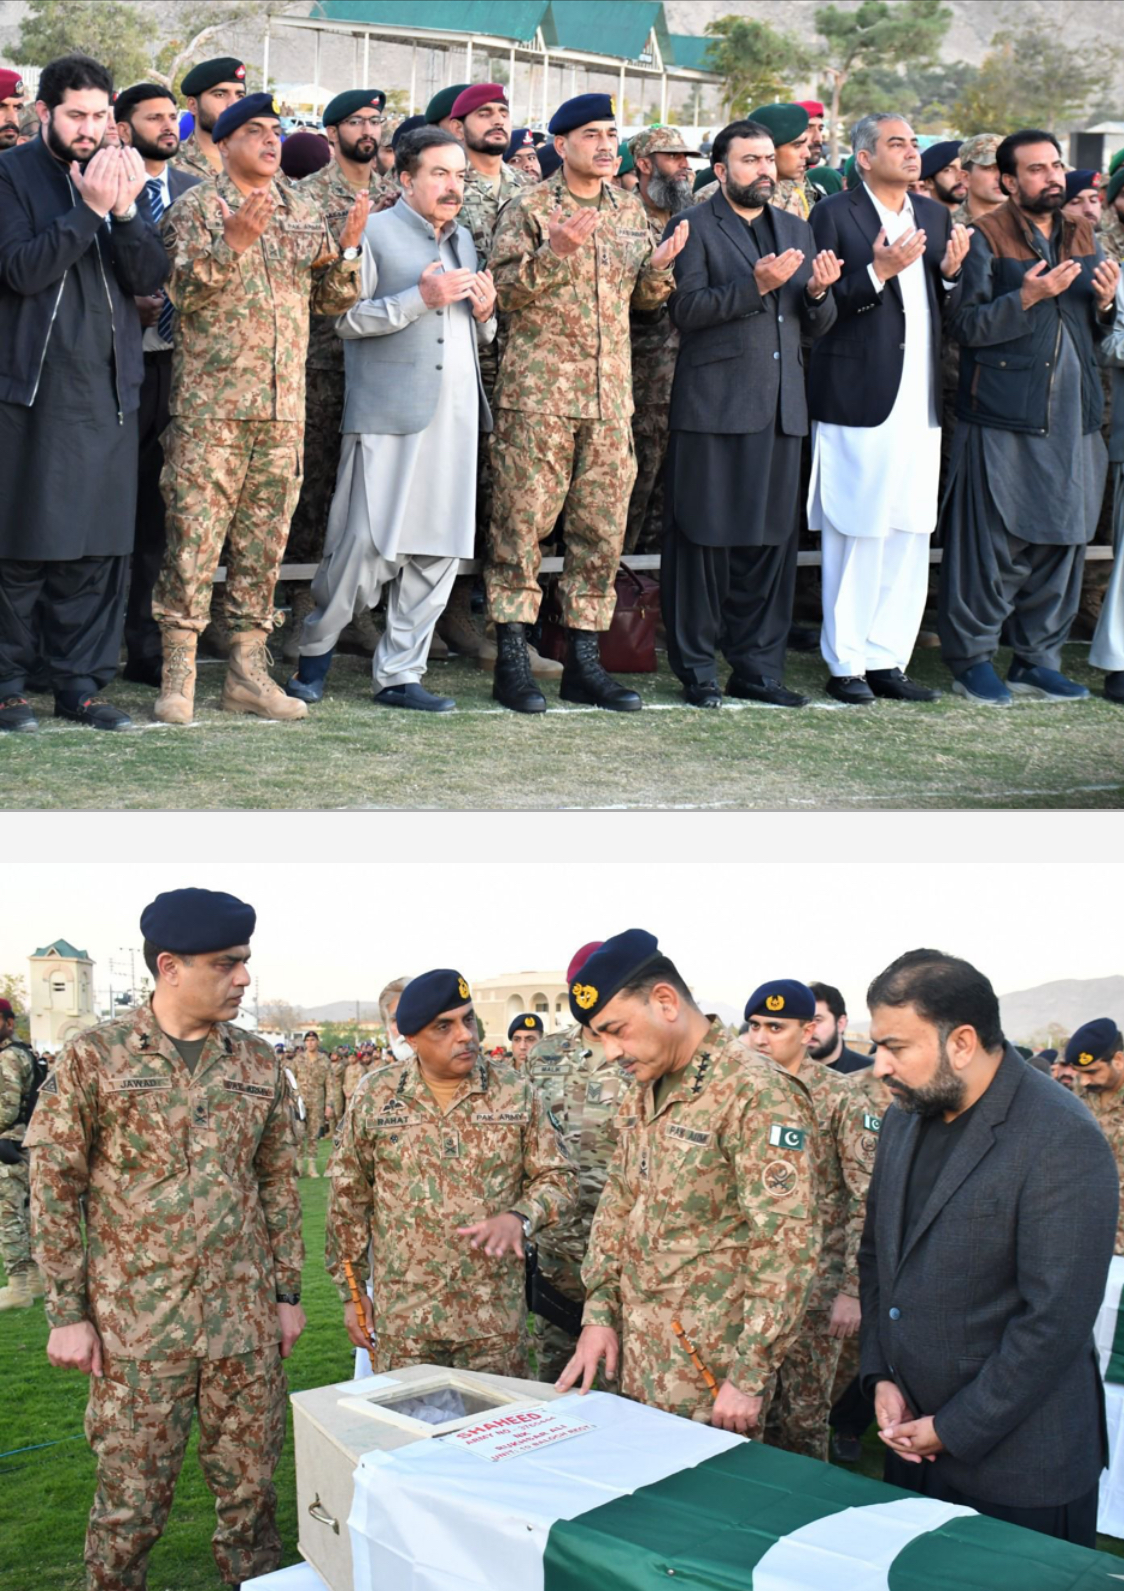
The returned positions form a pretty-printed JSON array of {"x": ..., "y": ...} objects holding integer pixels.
[
  {"x": 353, "y": 1074},
  {"x": 483, "y": 203},
  {"x": 188, "y": 1183},
  {"x": 334, "y": 194},
  {"x": 1109, "y": 1112},
  {"x": 568, "y": 349},
  {"x": 709, "y": 1217},
  {"x": 1110, "y": 233},
  {"x": 243, "y": 328},
  {"x": 406, "y": 1175},
  {"x": 849, "y": 1131},
  {"x": 17, "y": 1071},
  {"x": 191, "y": 158},
  {"x": 655, "y": 341}
]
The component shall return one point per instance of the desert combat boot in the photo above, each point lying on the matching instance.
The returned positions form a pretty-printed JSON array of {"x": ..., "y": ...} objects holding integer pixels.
[
  {"x": 249, "y": 687},
  {"x": 176, "y": 701}
]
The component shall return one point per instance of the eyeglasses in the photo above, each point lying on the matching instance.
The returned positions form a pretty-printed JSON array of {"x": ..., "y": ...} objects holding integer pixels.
[{"x": 364, "y": 121}]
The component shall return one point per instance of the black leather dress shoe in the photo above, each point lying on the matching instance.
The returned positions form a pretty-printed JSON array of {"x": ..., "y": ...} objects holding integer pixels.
[
  {"x": 17, "y": 716},
  {"x": 93, "y": 712},
  {"x": 769, "y": 691},
  {"x": 802, "y": 638},
  {"x": 1114, "y": 687},
  {"x": 898, "y": 687},
  {"x": 144, "y": 671},
  {"x": 415, "y": 697},
  {"x": 850, "y": 689},
  {"x": 705, "y": 695}
]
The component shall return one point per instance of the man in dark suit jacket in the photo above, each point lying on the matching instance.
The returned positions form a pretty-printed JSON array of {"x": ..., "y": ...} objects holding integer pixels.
[
  {"x": 147, "y": 119},
  {"x": 747, "y": 288},
  {"x": 979, "y": 1287}
]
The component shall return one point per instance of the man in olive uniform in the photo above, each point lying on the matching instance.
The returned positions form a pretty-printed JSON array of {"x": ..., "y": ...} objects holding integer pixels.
[
  {"x": 446, "y": 1167},
  {"x": 1096, "y": 1053},
  {"x": 569, "y": 258},
  {"x": 167, "y": 1226},
  {"x": 250, "y": 259},
  {"x": 709, "y": 1219},
  {"x": 978, "y": 163},
  {"x": 356, "y": 1069},
  {"x": 782, "y": 1022},
  {"x": 17, "y": 1080},
  {"x": 666, "y": 181},
  {"x": 523, "y": 1033},
  {"x": 312, "y": 1067},
  {"x": 210, "y": 88}
]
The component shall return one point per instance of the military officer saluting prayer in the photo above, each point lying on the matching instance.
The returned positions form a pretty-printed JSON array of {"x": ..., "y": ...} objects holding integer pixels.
[
  {"x": 1096, "y": 1053},
  {"x": 709, "y": 1221},
  {"x": 167, "y": 1227},
  {"x": 523, "y": 1033},
  {"x": 446, "y": 1166}
]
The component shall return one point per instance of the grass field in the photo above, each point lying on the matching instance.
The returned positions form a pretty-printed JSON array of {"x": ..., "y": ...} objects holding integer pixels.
[
  {"x": 351, "y": 755},
  {"x": 45, "y": 1490}
]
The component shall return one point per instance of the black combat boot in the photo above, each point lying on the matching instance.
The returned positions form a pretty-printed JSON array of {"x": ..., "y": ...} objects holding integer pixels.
[
  {"x": 585, "y": 681},
  {"x": 513, "y": 684}
]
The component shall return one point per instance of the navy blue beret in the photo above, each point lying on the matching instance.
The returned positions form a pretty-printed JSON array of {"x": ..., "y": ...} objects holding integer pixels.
[
  {"x": 783, "y": 997},
  {"x": 524, "y": 1022},
  {"x": 609, "y": 968},
  {"x": 581, "y": 110},
  {"x": 938, "y": 156},
  {"x": 549, "y": 160},
  {"x": 427, "y": 995},
  {"x": 1095, "y": 1041},
  {"x": 1077, "y": 181},
  {"x": 193, "y": 921},
  {"x": 243, "y": 111},
  {"x": 410, "y": 125},
  {"x": 522, "y": 138},
  {"x": 1047, "y": 1055}
]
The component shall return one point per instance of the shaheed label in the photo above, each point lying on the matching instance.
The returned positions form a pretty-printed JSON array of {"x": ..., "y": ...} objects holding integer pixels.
[
  {"x": 522, "y": 1431},
  {"x": 786, "y": 1137}
]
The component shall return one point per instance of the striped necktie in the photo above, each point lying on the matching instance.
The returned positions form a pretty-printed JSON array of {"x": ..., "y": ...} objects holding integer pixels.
[{"x": 155, "y": 195}]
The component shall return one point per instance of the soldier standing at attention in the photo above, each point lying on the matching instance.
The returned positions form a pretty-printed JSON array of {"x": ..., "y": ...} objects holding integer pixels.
[
  {"x": 1096, "y": 1053},
  {"x": 782, "y": 1022},
  {"x": 166, "y": 1222},
  {"x": 17, "y": 1086},
  {"x": 250, "y": 259},
  {"x": 523, "y": 1033},
  {"x": 569, "y": 258},
  {"x": 210, "y": 88},
  {"x": 312, "y": 1068},
  {"x": 447, "y": 1165},
  {"x": 709, "y": 1215}
]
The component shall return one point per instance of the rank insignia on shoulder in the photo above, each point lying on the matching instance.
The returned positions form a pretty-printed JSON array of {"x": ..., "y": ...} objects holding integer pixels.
[
  {"x": 786, "y": 1137},
  {"x": 872, "y": 1123}
]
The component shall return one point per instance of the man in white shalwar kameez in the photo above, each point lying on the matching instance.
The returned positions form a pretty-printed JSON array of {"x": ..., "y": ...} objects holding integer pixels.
[
  {"x": 403, "y": 513},
  {"x": 873, "y": 489}
]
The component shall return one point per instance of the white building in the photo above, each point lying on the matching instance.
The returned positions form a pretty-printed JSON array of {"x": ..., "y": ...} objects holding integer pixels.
[{"x": 62, "y": 995}]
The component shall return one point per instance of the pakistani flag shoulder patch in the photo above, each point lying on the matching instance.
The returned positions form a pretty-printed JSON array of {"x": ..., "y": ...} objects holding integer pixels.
[
  {"x": 784, "y": 1137},
  {"x": 871, "y": 1123}
]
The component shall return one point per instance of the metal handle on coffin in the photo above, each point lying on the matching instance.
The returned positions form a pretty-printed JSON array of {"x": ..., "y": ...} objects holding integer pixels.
[{"x": 319, "y": 1512}]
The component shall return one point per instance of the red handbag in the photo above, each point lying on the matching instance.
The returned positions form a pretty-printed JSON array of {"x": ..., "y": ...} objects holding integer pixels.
[{"x": 628, "y": 646}]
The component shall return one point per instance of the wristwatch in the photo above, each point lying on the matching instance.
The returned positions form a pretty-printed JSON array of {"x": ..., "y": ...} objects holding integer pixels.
[
  {"x": 127, "y": 215},
  {"x": 353, "y": 252},
  {"x": 288, "y": 1298},
  {"x": 527, "y": 1224}
]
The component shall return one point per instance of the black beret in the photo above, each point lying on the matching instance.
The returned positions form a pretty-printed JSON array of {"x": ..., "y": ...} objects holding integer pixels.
[
  {"x": 209, "y": 74},
  {"x": 786, "y": 122},
  {"x": 443, "y": 101},
  {"x": 580, "y": 111},
  {"x": 410, "y": 125},
  {"x": 1077, "y": 181},
  {"x": 243, "y": 111},
  {"x": 351, "y": 100},
  {"x": 938, "y": 156},
  {"x": 193, "y": 921},
  {"x": 524, "y": 1022},
  {"x": 1050, "y": 1056},
  {"x": 608, "y": 969},
  {"x": 549, "y": 160},
  {"x": 427, "y": 995},
  {"x": 783, "y": 997},
  {"x": 1095, "y": 1041}
]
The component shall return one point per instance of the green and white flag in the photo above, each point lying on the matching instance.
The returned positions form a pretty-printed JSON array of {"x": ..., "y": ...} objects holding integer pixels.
[{"x": 631, "y": 1499}]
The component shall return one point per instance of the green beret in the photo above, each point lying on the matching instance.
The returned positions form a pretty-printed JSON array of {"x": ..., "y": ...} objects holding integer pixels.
[
  {"x": 702, "y": 178},
  {"x": 1113, "y": 186},
  {"x": 209, "y": 74},
  {"x": 851, "y": 177},
  {"x": 1116, "y": 162},
  {"x": 825, "y": 178},
  {"x": 442, "y": 103},
  {"x": 785, "y": 122},
  {"x": 627, "y": 162},
  {"x": 351, "y": 100}
]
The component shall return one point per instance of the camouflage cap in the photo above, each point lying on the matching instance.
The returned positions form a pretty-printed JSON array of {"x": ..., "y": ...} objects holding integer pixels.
[
  {"x": 660, "y": 140},
  {"x": 980, "y": 150}
]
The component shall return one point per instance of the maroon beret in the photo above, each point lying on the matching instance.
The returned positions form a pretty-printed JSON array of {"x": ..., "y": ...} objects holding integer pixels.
[
  {"x": 6, "y": 1009},
  {"x": 477, "y": 94},
  {"x": 11, "y": 83}
]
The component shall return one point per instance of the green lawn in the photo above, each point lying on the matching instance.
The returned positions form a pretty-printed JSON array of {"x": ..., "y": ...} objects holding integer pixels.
[
  {"x": 45, "y": 1493},
  {"x": 351, "y": 755}
]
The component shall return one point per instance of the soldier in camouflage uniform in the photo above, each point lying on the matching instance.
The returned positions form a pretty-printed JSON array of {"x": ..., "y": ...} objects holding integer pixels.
[
  {"x": 665, "y": 190},
  {"x": 570, "y": 257},
  {"x": 250, "y": 258},
  {"x": 354, "y": 1072},
  {"x": 788, "y": 125},
  {"x": 209, "y": 88},
  {"x": 312, "y": 1067},
  {"x": 709, "y": 1214},
  {"x": 447, "y": 1164},
  {"x": 1110, "y": 228},
  {"x": 523, "y": 1033},
  {"x": 17, "y": 1077},
  {"x": 781, "y": 1017},
  {"x": 977, "y": 155},
  {"x": 1096, "y": 1053},
  {"x": 166, "y": 1223}
]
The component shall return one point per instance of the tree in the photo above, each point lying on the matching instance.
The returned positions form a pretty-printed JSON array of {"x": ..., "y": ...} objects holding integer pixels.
[
  {"x": 1030, "y": 78},
  {"x": 758, "y": 63},
  {"x": 118, "y": 35},
  {"x": 14, "y": 990},
  {"x": 877, "y": 34},
  {"x": 925, "y": 95},
  {"x": 205, "y": 23},
  {"x": 279, "y": 1015}
]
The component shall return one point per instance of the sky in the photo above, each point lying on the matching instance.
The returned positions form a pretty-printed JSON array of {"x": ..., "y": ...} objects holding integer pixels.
[{"x": 339, "y": 931}]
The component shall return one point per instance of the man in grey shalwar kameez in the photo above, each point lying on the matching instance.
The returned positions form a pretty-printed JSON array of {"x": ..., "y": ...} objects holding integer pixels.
[
  {"x": 403, "y": 513},
  {"x": 1028, "y": 464}
]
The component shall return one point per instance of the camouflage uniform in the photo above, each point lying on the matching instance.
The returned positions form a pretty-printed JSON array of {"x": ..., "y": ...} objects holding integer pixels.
[
  {"x": 312, "y": 1068},
  {"x": 16, "y": 1078},
  {"x": 583, "y": 1092},
  {"x": 353, "y": 1074},
  {"x": 1110, "y": 233},
  {"x": 233, "y": 448},
  {"x": 707, "y": 1220},
  {"x": 849, "y": 1136},
  {"x": 191, "y": 158},
  {"x": 655, "y": 345},
  {"x": 1109, "y": 1112},
  {"x": 563, "y": 402},
  {"x": 405, "y": 1176},
  {"x": 192, "y": 1225}
]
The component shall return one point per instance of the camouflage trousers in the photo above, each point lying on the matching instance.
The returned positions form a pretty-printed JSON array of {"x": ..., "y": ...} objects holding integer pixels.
[
  {"x": 226, "y": 480},
  {"x": 644, "y": 526},
  {"x": 554, "y": 1347},
  {"x": 502, "y": 1355},
  {"x": 797, "y": 1418},
  {"x": 15, "y": 1237},
  {"x": 138, "y": 1420},
  {"x": 313, "y": 1085},
  {"x": 323, "y": 414},
  {"x": 541, "y": 464}
]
